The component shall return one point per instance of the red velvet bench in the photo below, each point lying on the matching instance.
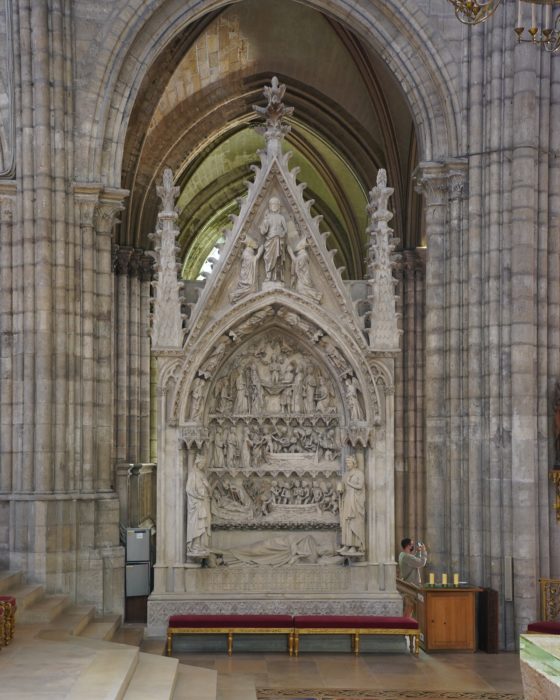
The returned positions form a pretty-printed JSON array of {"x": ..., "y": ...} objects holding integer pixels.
[
  {"x": 8, "y": 607},
  {"x": 544, "y": 627},
  {"x": 356, "y": 625},
  {"x": 229, "y": 625}
]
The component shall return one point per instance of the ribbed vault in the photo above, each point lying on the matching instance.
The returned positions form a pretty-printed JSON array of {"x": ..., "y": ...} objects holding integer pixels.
[{"x": 194, "y": 114}]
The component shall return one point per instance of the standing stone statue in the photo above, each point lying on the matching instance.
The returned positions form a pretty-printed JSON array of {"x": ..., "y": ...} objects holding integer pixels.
[
  {"x": 198, "y": 509},
  {"x": 354, "y": 408},
  {"x": 274, "y": 230},
  {"x": 197, "y": 394},
  {"x": 352, "y": 509},
  {"x": 247, "y": 282},
  {"x": 301, "y": 277}
]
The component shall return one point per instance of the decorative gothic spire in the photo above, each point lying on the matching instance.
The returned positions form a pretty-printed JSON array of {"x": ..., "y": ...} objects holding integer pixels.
[
  {"x": 275, "y": 113},
  {"x": 167, "y": 320},
  {"x": 384, "y": 333}
]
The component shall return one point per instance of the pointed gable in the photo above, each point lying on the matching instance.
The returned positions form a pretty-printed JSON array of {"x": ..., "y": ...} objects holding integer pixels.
[{"x": 274, "y": 245}]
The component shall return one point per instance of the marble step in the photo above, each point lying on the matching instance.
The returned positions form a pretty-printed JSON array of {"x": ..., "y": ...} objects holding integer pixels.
[
  {"x": 44, "y": 610},
  {"x": 26, "y": 594},
  {"x": 74, "y": 619},
  {"x": 102, "y": 627},
  {"x": 235, "y": 687},
  {"x": 153, "y": 679},
  {"x": 108, "y": 675},
  {"x": 194, "y": 683},
  {"x": 9, "y": 579}
]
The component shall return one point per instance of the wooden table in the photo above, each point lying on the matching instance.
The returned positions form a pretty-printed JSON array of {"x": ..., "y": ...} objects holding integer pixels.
[{"x": 446, "y": 615}]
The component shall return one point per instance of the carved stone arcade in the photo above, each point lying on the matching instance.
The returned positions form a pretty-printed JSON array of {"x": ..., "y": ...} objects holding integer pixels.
[{"x": 275, "y": 417}]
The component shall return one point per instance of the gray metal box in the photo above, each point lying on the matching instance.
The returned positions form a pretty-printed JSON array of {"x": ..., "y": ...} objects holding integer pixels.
[
  {"x": 137, "y": 579},
  {"x": 137, "y": 544}
]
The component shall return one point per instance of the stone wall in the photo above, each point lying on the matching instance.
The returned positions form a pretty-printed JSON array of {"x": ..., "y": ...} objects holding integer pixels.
[{"x": 475, "y": 447}]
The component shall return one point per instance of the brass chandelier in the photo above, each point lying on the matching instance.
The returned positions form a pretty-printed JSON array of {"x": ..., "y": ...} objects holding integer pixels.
[{"x": 538, "y": 21}]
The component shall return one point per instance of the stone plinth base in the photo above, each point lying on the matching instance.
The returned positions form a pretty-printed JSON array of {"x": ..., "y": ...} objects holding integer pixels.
[
  {"x": 160, "y": 607},
  {"x": 358, "y": 589},
  {"x": 69, "y": 543}
]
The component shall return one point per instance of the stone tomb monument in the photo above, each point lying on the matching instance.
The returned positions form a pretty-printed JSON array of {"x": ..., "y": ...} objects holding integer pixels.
[{"x": 275, "y": 412}]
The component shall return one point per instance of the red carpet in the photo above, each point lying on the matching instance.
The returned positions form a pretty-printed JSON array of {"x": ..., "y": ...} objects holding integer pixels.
[{"x": 337, "y": 694}]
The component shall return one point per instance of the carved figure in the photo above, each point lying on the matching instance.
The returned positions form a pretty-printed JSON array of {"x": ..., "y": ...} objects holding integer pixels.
[
  {"x": 286, "y": 494},
  {"x": 248, "y": 273},
  {"x": 297, "y": 391},
  {"x": 305, "y": 492},
  {"x": 214, "y": 359},
  {"x": 286, "y": 399},
  {"x": 272, "y": 497},
  {"x": 246, "y": 450},
  {"x": 322, "y": 396},
  {"x": 256, "y": 392},
  {"x": 241, "y": 405},
  {"x": 274, "y": 230},
  {"x": 308, "y": 389},
  {"x": 232, "y": 449},
  {"x": 352, "y": 509},
  {"x": 301, "y": 276},
  {"x": 199, "y": 518},
  {"x": 316, "y": 493},
  {"x": 335, "y": 356},
  {"x": 354, "y": 408},
  {"x": 230, "y": 501},
  {"x": 197, "y": 394},
  {"x": 222, "y": 398},
  {"x": 219, "y": 444},
  {"x": 283, "y": 550}
]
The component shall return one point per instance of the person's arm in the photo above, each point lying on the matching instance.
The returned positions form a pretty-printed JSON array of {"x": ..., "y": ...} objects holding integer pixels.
[{"x": 415, "y": 562}]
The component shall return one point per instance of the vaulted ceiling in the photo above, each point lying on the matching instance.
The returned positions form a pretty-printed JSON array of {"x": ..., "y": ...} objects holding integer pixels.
[{"x": 194, "y": 114}]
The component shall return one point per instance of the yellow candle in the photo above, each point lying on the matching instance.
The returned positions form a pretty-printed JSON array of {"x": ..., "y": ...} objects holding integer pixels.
[
  {"x": 444, "y": 579},
  {"x": 432, "y": 579},
  {"x": 455, "y": 579}
]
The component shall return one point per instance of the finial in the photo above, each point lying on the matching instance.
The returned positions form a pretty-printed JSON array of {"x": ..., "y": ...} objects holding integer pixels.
[
  {"x": 275, "y": 112},
  {"x": 167, "y": 193}
]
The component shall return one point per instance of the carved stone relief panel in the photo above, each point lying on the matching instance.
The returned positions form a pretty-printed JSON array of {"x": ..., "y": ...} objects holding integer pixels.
[
  {"x": 275, "y": 254},
  {"x": 274, "y": 440}
]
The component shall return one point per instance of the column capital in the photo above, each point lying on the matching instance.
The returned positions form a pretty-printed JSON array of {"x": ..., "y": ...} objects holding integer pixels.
[
  {"x": 121, "y": 259},
  {"x": 440, "y": 182}
]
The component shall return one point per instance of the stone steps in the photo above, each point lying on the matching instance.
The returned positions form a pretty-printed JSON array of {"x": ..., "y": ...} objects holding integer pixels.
[
  {"x": 194, "y": 683},
  {"x": 112, "y": 670},
  {"x": 9, "y": 579},
  {"x": 154, "y": 678},
  {"x": 74, "y": 619},
  {"x": 108, "y": 675},
  {"x": 102, "y": 628},
  {"x": 44, "y": 610},
  {"x": 26, "y": 594}
]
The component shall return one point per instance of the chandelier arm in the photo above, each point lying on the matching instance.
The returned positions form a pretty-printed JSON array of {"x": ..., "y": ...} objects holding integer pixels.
[{"x": 474, "y": 12}]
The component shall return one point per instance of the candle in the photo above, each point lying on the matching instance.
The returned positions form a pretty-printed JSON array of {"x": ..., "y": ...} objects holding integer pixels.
[
  {"x": 534, "y": 16},
  {"x": 444, "y": 579},
  {"x": 455, "y": 579},
  {"x": 519, "y": 17},
  {"x": 432, "y": 579},
  {"x": 548, "y": 17}
]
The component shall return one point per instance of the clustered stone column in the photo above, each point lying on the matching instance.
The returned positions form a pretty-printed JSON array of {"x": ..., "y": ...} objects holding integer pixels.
[
  {"x": 132, "y": 279},
  {"x": 410, "y": 468}
]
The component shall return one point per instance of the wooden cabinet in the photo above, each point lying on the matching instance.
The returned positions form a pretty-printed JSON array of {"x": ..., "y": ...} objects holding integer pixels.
[{"x": 447, "y": 617}]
